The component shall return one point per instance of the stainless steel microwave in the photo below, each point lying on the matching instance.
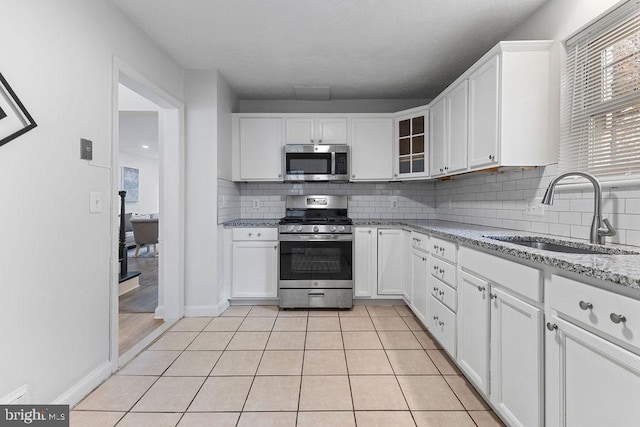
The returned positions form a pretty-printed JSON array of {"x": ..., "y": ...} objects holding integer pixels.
[{"x": 316, "y": 163}]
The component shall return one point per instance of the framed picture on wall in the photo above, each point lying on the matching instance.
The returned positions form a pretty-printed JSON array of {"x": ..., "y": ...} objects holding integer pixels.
[
  {"x": 130, "y": 183},
  {"x": 15, "y": 120}
]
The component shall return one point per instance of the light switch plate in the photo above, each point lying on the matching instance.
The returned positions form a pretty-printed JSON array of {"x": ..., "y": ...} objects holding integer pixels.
[
  {"x": 95, "y": 200},
  {"x": 86, "y": 149}
]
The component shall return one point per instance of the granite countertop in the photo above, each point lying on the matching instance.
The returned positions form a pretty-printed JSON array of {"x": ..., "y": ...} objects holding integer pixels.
[
  {"x": 239, "y": 223},
  {"x": 618, "y": 268}
]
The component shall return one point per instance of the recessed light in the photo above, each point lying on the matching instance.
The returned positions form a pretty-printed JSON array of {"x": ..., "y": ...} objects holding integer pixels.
[{"x": 145, "y": 146}]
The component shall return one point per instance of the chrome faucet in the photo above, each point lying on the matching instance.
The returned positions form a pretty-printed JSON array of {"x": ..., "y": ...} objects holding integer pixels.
[{"x": 600, "y": 227}]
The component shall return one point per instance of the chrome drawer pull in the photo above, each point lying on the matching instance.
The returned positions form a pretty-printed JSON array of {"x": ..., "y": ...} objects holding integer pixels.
[
  {"x": 552, "y": 326},
  {"x": 493, "y": 296},
  {"x": 441, "y": 293},
  {"x": 435, "y": 317},
  {"x": 441, "y": 323},
  {"x": 617, "y": 318},
  {"x": 481, "y": 288},
  {"x": 585, "y": 305}
]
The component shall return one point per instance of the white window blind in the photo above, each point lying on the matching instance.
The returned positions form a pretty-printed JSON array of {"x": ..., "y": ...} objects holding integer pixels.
[{"x": 601, "y": 96}]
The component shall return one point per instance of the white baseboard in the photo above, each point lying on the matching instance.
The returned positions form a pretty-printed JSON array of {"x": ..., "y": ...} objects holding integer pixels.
[
  {"x": 206, "y": 310},
  {"x": 159, "y": 314},
  {"x": 83, "y": 387},
  {"x": 128, "y": 285}
]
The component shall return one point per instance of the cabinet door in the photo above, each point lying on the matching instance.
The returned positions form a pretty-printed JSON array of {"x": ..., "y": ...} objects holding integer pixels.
[
  {"x": 516, "y": 360},
  {"x": 371, "y": 149},
  {"x": 365, "y": 255},
  {"x": 300, "y": 131},
  {"x": 484, "y": 115},
  {"x": 457, "y": 128},
  {"x": 473, "y": 329},
  {"x": 260, "y": 149},
  {"x": 438, "y": 129},
  {"x": 332, "y": 131},
  {"x": 412, "y": 146},
  {"x": 419, "y": 284},
  {"x": 255, "y": 269},
  {"x": 597, "y": 383},
  {"x": 390, "y": 261}
]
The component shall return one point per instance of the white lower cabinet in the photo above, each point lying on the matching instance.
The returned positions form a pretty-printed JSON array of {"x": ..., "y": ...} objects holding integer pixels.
[
  {"x": 441, "y": 322},
  {"x": 365, "y": 261},
  {"x": 500, "y": 336},
  {"x": 254, "y": 271},
  {"x": 593, "y": 361},
  {"x": 592, "y": 381},
  {"x": 473, "y": 329},
  {"x": 516, "y": 360},
  {"x": 390, "y": 261},
  {"x": 418, "y": 296}
]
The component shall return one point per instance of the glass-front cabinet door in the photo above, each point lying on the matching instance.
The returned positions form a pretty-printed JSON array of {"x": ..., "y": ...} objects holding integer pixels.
[{"x": 412, "y": 146}]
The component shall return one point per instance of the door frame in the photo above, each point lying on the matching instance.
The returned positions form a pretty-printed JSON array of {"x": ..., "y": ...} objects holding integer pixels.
[{"x": 172, "y": 202}]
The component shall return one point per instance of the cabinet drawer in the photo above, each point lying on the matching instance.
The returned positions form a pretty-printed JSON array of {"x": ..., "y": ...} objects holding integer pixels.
[
  {"x": 444, "y": 249},
  {"x": 525, "y": 280},
  {"x": 443, "y": 271},
  {"x": 441, "y": 322},
  {"x": 255, "y": 234},
  {"x": 597, "y": 308},
  {"x": 445, "y": 294},
  {"x": 420, "y": 241}
]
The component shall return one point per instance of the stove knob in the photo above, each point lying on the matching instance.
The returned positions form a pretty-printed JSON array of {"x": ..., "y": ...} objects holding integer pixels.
[
  {"x": 316, "y": 228},
  {"x": 341, "y": 228},
  {"x": 299, "y": 228},
  {"x": 332, "y": 228}
]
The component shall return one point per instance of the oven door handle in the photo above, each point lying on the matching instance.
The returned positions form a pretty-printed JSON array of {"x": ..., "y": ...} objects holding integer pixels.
[{"x": 315, "y": 237}]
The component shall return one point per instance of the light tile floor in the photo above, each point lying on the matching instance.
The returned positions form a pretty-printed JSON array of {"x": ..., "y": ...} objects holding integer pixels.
[{"x": 258, "y": 366}]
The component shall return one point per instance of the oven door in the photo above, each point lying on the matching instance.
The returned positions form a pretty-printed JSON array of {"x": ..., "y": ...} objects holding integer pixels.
[{"x": 316, "y": 261}]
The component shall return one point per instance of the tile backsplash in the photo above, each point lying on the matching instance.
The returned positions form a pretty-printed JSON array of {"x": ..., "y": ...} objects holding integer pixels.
[
  {"x": 491, "y": 199},
  {"x": 500, "y": 200},
  {"x": 408, "y": 200}
]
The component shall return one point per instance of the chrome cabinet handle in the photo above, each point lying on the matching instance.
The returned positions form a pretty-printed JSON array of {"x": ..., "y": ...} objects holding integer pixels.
[
  {"x": 436, "y": 247},
  {"x": 441, "y": 271},
  {"x": 435, "y": 317},
  {"x": 319, "y": 141},
  {"x": 259, "y": 234},
  {"x": 493, "y": 296},
  {"x": 380, "y": 233},
  {"x": 617, "y": 318},
  {"x": 481, "y": 288},
  {"x": 551, "y": 326},
  {"x": 275, "y": 247},
  {"x": 424, "y": 259},
  {"x": 492, "y": 157},
  {"x": 353, "y": 175},
  {"x": 440, "y": 292},
  {"x": 435, "y": 289},
  {"x": 369, "y": 231},
  {"x": 250, "y": 234},
  {"x": 279, "y": 175},
  {"x": 441, "y": 323},
  {"x": 395, "y": 174},
  {"x": 585, "y": 305},
  {"x": 435, "y": 268}
]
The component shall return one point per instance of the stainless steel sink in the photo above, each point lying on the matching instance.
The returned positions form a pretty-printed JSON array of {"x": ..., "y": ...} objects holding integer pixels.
[{"x": 560, "y": 246}]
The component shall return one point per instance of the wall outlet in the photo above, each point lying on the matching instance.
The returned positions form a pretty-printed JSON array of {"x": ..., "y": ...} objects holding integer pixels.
[
  {"x": 394, "y": 202},
  {"x": 534, "y": 208},
  {"x": 256, "y": 203}
]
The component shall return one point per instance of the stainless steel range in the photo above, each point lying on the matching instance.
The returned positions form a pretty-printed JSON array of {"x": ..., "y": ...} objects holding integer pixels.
[{"x": 316, "y": 253}]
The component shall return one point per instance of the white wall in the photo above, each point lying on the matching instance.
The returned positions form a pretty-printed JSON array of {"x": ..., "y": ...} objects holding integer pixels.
[
  {"x": 149, "y": 180},
  {"x": 54, "y": 255},
  {"x": 227, "y": 104}
]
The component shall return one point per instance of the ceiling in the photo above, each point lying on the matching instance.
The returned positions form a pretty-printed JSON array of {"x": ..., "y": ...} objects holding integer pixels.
[{"x": 361, "y": 49}]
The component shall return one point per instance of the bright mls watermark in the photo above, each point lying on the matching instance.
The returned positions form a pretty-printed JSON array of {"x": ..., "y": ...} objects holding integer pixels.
[{"x": 34, "y": 415}]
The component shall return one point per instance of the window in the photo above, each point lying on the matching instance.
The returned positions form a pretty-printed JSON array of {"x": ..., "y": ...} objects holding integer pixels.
[{"x": 601, "y": 96}]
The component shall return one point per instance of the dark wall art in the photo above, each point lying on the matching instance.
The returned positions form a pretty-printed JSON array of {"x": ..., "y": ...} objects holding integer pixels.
[{"x": 15, "y": 120}]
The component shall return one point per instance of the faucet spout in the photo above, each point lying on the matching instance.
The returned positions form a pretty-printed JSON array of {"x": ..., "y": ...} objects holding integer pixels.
[{"x": 599, "y": 227}]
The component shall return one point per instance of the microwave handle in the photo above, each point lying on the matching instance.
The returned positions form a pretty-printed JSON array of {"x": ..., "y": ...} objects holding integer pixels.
[{"x": 333, "y": 163}]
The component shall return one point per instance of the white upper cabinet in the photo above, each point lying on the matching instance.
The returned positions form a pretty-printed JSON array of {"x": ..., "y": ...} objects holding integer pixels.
[
  {"x": 448, "y": 125},
  {"x": 484, "y": 115},
  {"x": 457, "y": 126},
  {"x": 316, "y": 130},
  {"x": 411, "y": 146},
  {"x": 257, "y": 148},
  {"x": 371, "y": 149},
  {"x": 509, "y": 109}
]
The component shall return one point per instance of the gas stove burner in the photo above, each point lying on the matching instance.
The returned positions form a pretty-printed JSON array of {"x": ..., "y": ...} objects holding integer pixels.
[{"x": 316, "y": 215}]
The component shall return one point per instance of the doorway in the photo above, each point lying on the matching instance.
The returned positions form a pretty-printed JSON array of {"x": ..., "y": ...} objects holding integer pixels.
[{"x": 155, "y": 304}]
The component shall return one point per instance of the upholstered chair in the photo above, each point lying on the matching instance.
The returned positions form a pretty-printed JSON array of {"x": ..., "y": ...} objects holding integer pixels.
[{"x": 145, "y": 232}]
